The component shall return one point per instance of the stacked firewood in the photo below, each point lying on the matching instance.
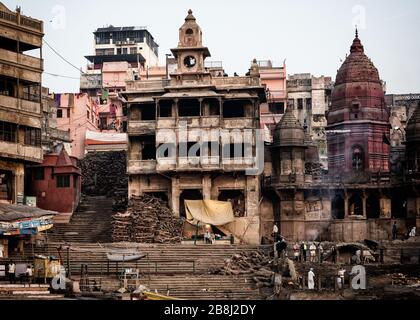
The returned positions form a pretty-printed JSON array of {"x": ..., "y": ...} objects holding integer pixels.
[
  {"x": 254, "y": 263},
  {"x": 148, "y": 220},
  {"x": 104, "y": 173}
]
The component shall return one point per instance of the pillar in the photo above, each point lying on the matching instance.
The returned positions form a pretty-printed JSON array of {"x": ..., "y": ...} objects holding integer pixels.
[
  {"x": 206, "y": 187},
  {"x": 364, "y": 204},
  {"x": 175, "y": 193},
  {"x": 346, "y": 205}
]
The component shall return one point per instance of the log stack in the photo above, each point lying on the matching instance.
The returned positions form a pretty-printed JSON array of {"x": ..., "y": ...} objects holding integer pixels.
[
  {"x": 255, "y": 263},
  {"x": 148, "y": 220}
]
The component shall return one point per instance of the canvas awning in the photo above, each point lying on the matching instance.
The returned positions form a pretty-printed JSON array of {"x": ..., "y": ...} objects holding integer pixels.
[
  {"x": 14, "y": 212},
  {"x": 201, "y": 212}
]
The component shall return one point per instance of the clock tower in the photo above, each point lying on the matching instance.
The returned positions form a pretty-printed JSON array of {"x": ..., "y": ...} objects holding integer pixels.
[{"x": 190, "y": 54}]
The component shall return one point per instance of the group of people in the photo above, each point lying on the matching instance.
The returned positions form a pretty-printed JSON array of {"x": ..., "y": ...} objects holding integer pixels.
[
  {"x": 411, "y": 234},
  {"x": 11, "y": 272},
  {"x": 340, "y": 278},
  {"x": 308, "y": 251}
]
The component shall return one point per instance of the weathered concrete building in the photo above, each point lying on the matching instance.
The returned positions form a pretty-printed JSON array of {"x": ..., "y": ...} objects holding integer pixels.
[
  {"x": 20, "y": 99},
  {"x": 310, "y": 97},
  {"x": 360, "y": 196},
  {"x": 194, "y": 136}
]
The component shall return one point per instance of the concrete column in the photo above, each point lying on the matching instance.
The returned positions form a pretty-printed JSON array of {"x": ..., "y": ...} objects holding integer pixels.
[
  {"x": 346, "y": 205},
  {"x": 364, "y": 197},
  {"x": 206, "y": 187},
  {"x": 175, "y": 193}
]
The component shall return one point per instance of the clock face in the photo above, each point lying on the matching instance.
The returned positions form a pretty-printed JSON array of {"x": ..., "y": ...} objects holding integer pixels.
[{"x": 190, "y": 61}]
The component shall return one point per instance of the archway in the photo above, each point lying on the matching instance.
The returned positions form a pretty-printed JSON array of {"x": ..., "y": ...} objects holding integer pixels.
[
  {"x": 373, "y": 210},
  {"x": 356, "y": 205},
  {"x": 188, "y": 194},
  {"x": 337, "y": 207}
]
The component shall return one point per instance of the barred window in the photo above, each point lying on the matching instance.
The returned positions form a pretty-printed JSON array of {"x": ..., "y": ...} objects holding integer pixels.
[
  {"x": 8, "y": 131},
  {"x": 32, "y": 136},
  {"x": 63, "y": 181}
]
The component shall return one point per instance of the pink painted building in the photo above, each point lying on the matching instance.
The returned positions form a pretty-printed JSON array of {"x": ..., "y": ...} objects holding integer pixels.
[
  {"x": 273, "y": 77},
  {"x": 76, "y": 113}
]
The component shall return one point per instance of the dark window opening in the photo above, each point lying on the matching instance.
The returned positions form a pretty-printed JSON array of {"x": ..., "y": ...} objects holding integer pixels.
[
  {"x": 357, "y": 158},
  {"x": 189, "y": 31},
  {"x": 59, "y": 113},
  {"x": 233, "y": 109},
  {"x": 189, "y": 149},
  {"x": 6, "y": 183},
  {"x": 32, "y": 136},
  {"x": 189, "y": 108},
  {"x": 210, "y": 149},
  {"x": 372, "y": 208},
  {"x": 236, "y": 150},
  {"x": 8, "y": 131},
  {"x": 214, "y": 106},
  {"x": 148, "y": 111},
  {"x": 8, "y": 87},
  {"x": 337, "y": 207},
  {"x": 165, "y": 108},
  {"x": 63, "y": 181},
  {"x": 149, "y": 151},
  {"x": 356, "y": 205},
  {"x": 38, "y": 173},
  {"x": 236, "y": 198},
  {"x": 88, "y": 114},
  {"x": 300, "y": 103},
  {"x": 398, "y": 205},
  {"x": 68, "y": 113},
  {"x": 308, "y": 103},
  {"x": 166, "y": 150},
  {"x": 276, "y": 107}
]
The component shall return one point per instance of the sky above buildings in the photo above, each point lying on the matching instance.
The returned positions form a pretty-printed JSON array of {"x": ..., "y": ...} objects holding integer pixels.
[{"x": 313, "y": 36}]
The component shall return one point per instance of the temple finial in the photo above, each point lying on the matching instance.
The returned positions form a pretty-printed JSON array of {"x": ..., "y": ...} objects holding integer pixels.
[
  {"x": 189, "y": 11},
  {"x": 357, "y": 32}
]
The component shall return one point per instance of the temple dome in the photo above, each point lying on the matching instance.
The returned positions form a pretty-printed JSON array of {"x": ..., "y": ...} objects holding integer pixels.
[{"x": 289, "y": 132}]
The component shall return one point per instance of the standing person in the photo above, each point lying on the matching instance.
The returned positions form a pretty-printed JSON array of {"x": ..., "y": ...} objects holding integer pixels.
[
  {"x": 334, "y": 254},
  {"x": 296, "y": 251},
  {"x": 311, "y": 279},
  {"x": 29, "y": 273},
  {"x": 275, "y": 231},
  {"x": 305, "y": 249},
  {"x": 412, "y": 232},
  {"x": 320, "y": 253},
  {"x": 11, "y": 271},
  {"x": 312, "y": 251},
  {"x": 1, "y": 250},
  {"x": 394, "y": 231},
  {"x": 340, "y": 278}
]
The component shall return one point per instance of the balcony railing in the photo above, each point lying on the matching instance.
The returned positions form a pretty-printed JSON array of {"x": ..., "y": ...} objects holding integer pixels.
[
  {"x": 21, "y": 59},
  {"x": 236, "y": 81},
  {"x": 21, "y": 20},
  {"x": 20, "y": 104},
  {"x": 135, "y": 85}
]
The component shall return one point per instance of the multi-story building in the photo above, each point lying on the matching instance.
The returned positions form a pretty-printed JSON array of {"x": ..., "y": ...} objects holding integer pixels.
[
  {"x": 20, "y": 99},
  {"x": 309, "y": 97},
  {"x": 50, "y": 134},
  {"x": 274, "y": 78},
  {"x": 121, "y": 54},
  {"x": 194, "y": 136},
  {"x": 77, "y": 113}
]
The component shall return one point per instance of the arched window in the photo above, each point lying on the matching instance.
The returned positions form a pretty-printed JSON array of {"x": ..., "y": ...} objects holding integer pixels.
[
  {"x": 357, "y": 158},
  {"x": 189, "y": 32}
]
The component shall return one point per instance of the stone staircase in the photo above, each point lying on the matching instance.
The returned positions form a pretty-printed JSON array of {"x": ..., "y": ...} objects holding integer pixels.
[
  {"x": 27, "y": 292},
  {"x": 90, "y": 223}
]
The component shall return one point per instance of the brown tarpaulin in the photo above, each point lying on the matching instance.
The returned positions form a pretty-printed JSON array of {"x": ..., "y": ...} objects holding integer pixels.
[{"x": 212, "y": 212}]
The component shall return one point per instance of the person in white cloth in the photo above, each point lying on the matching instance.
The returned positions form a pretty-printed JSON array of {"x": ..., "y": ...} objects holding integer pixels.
[{"x": 311, "y": 279}]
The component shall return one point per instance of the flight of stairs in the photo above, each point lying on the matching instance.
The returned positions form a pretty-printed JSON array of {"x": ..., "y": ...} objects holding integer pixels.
[
  {"x": 27, "y": 292},
  {"x": 90, "y": 223}
]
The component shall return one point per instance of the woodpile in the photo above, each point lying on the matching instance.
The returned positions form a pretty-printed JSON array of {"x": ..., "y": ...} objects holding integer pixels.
[
  {"x": 147, "y": 220},
  {"x": 104, "y": 173},
  {"x": 254, "y": 263}
]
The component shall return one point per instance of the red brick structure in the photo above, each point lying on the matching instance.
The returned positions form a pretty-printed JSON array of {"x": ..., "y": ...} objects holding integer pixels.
[
  {"x": 358, "y": 119},
  {"x": 56, "y": 182}
]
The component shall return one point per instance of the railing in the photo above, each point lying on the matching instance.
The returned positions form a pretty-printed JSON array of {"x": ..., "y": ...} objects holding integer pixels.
[
  {"x": 133, "y": 85},
  {"x": 348, "y": 178},
  {"x": 234, "y": 81},
  {"x": 21, "y": 20}
]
